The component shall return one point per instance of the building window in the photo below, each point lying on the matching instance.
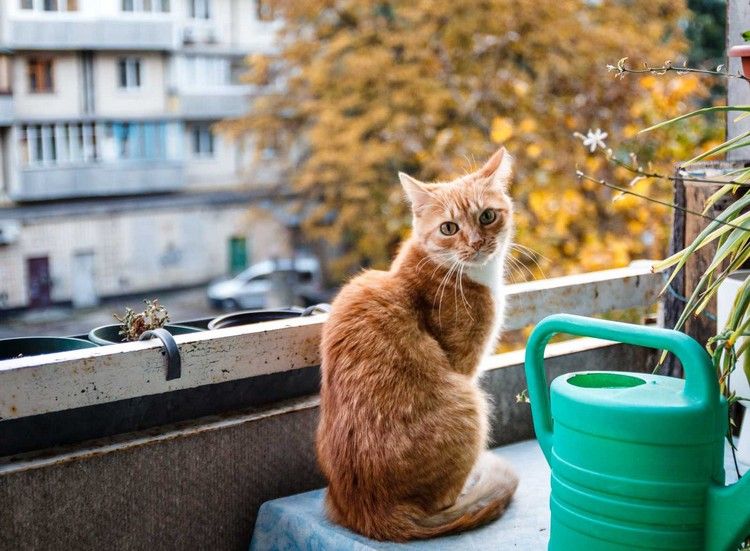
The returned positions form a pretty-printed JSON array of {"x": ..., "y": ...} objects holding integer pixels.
[
  {"x": 204, "y": 71},
  {"x": 155, "y": 6},
  {"x": 50, "y": 5},
  {"x": 61, "y": 143},
  {"x": 200, "y": 9},
  {"x": 202, "y": 140},
  {"x": 5, "y": 71},
  {"x": 40, "y": 75},
  {"x": 129, "y": 72},
  {"x": 139, "y": 141}
]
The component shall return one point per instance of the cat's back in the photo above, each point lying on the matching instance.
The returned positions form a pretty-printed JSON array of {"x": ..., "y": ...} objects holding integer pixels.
[
  {"x": 370, "y": 298},
  {"x": 370, "y": 312}
]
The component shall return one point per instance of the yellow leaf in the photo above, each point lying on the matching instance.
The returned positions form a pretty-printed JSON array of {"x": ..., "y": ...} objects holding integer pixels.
[
  {"x": 502, "y": 129},
  {"x": 533, "y": 151},
  {"x": 527, "y": 125}
]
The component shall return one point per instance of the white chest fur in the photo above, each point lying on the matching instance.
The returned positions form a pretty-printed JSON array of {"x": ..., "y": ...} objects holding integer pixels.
[{"x": 491, "y": 276}]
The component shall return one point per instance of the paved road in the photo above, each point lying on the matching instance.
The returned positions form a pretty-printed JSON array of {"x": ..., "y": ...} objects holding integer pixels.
[{"x": 182, "y": 305}]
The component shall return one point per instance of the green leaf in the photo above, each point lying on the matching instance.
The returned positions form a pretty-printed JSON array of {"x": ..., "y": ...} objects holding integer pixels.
[
  {"x": 746, "y": 36},
  {"x": 729, "y": 145},
  {"x": 704, "y": 111}
]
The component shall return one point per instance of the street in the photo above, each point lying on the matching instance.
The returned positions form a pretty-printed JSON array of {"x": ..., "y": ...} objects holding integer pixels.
[{"x": 66, "y": 321}]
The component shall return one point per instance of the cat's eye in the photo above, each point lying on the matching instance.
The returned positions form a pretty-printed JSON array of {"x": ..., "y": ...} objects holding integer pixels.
[
  {"x": 487, "y": 217},
  {"x": 448, "y": 228}
]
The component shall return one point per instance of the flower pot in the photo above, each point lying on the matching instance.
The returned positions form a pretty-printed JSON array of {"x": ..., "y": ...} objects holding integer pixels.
[
  {"x": 200, "y": 323},
  {"x": 247, "y": 317},
  {"x": 738, "y": 382},
  {"x": 35, "y": 346},
  {"x": 742, "y": 52},
  {"x": 110, "y": 334}
]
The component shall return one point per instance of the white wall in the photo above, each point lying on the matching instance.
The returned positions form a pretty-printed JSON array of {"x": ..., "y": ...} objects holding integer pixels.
[
  {"x": 113, "y": 101},
  {"x": 65, "y": 99},
  {"x": 219, "y": 169}
]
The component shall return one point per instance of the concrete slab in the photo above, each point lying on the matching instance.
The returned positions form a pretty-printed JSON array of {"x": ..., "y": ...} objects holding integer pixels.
[{"x": 299, "y": 522}]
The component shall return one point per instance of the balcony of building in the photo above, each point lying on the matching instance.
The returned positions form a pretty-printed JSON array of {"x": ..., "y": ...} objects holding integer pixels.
[
  {"x": 96, "y": 180},
  {"x": 187, "y": 462},
  {"x": 82, "y": 31},
  {"x": 210, "y": 103},
  {"x": 93, "y": 159},
  {"x": 208, "y": 86}
]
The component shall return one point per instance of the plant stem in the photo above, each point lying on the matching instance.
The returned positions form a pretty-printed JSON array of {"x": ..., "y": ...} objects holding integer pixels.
[
  {"x": 621, "y": 70},
  {"x": 583, "y": 176}
]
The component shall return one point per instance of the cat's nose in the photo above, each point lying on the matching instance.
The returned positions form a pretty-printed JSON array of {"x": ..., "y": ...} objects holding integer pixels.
[{"x": 476, "y": 245}]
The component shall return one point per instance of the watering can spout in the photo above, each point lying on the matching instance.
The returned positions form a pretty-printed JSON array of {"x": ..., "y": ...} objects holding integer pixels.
[{"x": 728, "y": 514}]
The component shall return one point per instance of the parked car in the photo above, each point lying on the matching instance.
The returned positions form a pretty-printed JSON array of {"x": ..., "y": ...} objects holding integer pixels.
[{"x": 251, "y": 288}]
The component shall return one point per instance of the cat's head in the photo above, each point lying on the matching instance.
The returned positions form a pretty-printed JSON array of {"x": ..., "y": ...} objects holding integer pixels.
[{"x": 468, "y": 219}]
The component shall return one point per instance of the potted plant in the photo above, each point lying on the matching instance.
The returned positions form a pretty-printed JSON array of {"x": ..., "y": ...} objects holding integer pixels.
[
  {"x": 18, "y": 347},
  {"x": 256, "y": 316},
  {"x": 742, "y": 51},
  {"x": 738, "y": 383},
  {"x": 133, "y": 324},
  {"x": 728, "y": 232}
]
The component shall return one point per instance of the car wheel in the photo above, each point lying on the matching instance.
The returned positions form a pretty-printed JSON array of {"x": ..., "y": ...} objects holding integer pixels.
[{"x": 230, "y": 304}]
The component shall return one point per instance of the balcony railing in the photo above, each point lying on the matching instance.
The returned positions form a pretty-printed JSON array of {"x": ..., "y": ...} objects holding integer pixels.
[
  {"x": 98, "y": 179},
  {"x": 211, "y": 104},
  {"x": 189, "y": 461},
  {"x": 74, "y": 31}
]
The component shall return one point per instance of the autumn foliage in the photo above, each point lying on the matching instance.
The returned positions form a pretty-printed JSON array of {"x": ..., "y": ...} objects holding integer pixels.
[{"x": 361, "y": 89}]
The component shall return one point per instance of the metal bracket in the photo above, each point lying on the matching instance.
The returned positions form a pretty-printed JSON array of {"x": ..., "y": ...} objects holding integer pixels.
[{"x": 171, "y": 351}]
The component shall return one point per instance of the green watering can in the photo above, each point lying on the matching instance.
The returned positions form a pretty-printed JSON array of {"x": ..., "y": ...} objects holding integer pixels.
[{"x": 637, "y": 459}]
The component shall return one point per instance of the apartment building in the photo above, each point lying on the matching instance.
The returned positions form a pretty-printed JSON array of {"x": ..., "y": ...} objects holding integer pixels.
[{"x": 107, "y": 114}]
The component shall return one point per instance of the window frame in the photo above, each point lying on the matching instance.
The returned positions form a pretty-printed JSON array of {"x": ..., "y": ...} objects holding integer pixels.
[
  {"x": 129, "y": 73},
  {"x": 199, "y": 9},
  {"x": 202, "y": 141},
  {"x": 40, "y": 68},
  {"x": 145, "y": 6},
  {"x": 49, "y": 6}
]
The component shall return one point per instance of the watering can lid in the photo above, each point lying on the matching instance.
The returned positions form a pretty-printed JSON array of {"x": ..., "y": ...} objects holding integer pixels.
[{"x": 634, "y": 406}]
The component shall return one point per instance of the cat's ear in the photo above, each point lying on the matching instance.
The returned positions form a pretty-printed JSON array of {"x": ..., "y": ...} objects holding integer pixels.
[
  {"x": 417, "y": 192},
  {"x": 499, "y": 168}
]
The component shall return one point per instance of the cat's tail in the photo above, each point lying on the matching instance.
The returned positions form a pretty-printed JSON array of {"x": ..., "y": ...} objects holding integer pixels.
[{"x": 486, "y": 494}]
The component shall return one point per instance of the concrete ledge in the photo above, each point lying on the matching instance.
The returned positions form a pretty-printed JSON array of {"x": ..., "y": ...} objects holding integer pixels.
[{"x": 199, "y": 485}]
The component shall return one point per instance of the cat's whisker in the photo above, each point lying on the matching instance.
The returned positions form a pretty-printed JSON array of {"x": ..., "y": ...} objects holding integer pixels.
[
  {"x": 443, "y": 285},
  {"x": 446, "y": 280},
  {"x": 523, "y": 267},
  {"x": 516, "y": 271},
  {"x": 534, "y": 251},
  {"x": 430, "y": 257},
  {"x": 463, "y": 296},
  {"x": 530, "y": 254}
]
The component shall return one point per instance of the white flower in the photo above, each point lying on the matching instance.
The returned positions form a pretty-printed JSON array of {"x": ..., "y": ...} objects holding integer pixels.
[{"x": 594, "y": 139}]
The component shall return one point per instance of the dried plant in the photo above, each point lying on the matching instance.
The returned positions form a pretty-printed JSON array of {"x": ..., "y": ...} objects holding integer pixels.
[{"x": 134, "y": 324}]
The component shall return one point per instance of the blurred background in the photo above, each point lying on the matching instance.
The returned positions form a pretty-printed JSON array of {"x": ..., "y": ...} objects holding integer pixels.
[{"x": 233, "y": 154}]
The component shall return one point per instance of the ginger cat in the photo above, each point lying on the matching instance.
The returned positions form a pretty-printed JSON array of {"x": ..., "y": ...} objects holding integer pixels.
[{"x": 403, "y": 429}]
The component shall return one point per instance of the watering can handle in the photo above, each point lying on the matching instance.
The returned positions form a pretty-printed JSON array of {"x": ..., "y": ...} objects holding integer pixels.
[{"x": 701, "y": 385}]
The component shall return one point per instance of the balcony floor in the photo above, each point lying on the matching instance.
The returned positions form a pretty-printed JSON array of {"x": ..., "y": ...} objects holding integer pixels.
[
  {"x": 298, "y": 522},
  {"x": 525, "y": 525}
]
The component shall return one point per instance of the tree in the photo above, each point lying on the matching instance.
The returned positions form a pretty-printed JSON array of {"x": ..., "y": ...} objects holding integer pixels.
[{"x": 366, "y": 88}]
